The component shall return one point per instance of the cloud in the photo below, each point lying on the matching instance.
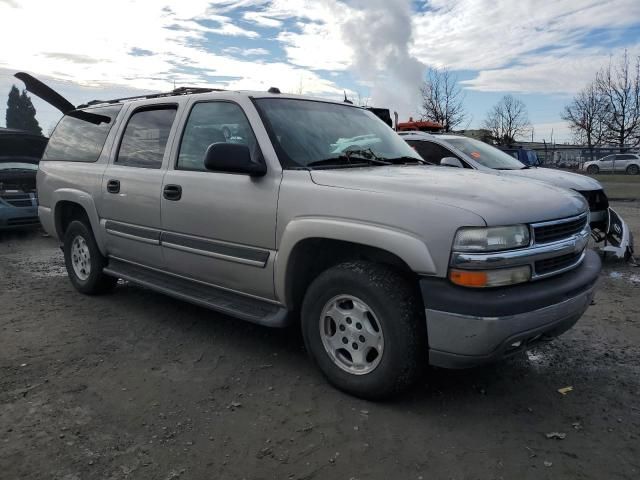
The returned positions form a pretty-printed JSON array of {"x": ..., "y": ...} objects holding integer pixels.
[
  {"x": 246, "y": 52},
  {"x": 72, "y": 57},
  {"x": 262, "y": 20},
  {"x": 487, "y": 34},
  {"x": 380, "y": 46},
  {"x": 174, "y": 36},
  {"x": 562, "y": 72}
]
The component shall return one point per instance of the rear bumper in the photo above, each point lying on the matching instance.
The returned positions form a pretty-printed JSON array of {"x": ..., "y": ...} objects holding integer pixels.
[{"x": 470, "y": 327}]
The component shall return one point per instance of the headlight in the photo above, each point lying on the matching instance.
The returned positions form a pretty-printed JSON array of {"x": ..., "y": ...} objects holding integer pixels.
[
  {"x": 491, "y": 239},
  {"x": 490, "y": 278}
]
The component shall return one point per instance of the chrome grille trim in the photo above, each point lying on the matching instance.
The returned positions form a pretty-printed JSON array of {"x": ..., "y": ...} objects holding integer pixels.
[
  {"x": 573, "y": 244},
  {"x": 573, "y": 226}
]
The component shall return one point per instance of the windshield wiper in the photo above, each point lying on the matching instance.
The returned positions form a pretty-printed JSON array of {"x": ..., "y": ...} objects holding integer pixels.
[
  {"x": 406, "y": 159},
  {"x": 355, "y": 158}
]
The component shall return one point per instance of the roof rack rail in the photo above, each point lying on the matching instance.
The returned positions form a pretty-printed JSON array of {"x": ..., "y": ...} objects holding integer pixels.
[{"x": 172, "y": 93}]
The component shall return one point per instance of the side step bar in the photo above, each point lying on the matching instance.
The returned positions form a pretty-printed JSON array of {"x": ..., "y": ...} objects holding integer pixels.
[{"x": 223, "y": 301}]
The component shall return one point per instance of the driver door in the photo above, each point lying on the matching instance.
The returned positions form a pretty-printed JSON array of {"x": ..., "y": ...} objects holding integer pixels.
[{"x": 220, "y": 228}]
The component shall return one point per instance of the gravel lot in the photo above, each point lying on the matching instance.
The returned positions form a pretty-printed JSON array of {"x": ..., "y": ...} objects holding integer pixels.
[{"x": 137, "y": 385}]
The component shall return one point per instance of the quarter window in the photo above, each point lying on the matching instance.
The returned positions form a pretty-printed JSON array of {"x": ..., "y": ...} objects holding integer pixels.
[
  {"x": 209, "y": 123},
  {"x": 80, "y": 138},
  {"x": 145, "y": 138}
]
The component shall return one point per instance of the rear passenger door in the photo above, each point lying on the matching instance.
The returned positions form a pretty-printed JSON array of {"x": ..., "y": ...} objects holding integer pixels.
[
  {"x": 132, "y": 185},
  {"x": 220, "y": 228}
]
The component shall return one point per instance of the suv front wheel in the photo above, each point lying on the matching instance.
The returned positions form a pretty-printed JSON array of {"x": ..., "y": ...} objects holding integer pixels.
[
  {"x": 363, "y": 325},
  {"x": 84, "y": 261}
]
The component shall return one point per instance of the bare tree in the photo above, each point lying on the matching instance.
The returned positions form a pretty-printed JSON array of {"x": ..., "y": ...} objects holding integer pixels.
[
  {"x": 507, "y": 120},
  {"x": 586, "y": 116},
  {"x": 619, "y": 85},
  {"x": 442, "y": 99}
]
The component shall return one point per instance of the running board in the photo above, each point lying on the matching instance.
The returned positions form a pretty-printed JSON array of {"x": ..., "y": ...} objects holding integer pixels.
[{"x": 223, "y": 301}]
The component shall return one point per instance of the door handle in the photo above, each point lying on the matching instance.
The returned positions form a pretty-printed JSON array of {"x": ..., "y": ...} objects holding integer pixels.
[
  {"x": 172, "y": 192},
  {"x": 113, "y": 186}
]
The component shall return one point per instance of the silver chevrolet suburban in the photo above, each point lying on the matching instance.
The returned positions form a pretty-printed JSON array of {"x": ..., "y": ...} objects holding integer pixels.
[{"x": 281, "y": 209}]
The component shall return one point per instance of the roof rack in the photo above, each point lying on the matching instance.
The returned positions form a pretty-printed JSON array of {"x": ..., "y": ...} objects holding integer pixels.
[{"x": 172, "y": 93}]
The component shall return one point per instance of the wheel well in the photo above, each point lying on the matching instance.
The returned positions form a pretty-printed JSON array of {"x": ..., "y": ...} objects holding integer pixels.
[
  {"x": 66, "y": 212},
  {"x": 312, "y": 256}
]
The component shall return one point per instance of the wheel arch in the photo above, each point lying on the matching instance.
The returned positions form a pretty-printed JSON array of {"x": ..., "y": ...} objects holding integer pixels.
[
  {"x": 71, "y": 204},
  {"x": 310, "y": 246}
]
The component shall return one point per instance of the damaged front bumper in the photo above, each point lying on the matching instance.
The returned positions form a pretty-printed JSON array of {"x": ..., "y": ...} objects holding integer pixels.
[
  {"x": 470, "y": 327},
  {"x": 617, "y": 238}
]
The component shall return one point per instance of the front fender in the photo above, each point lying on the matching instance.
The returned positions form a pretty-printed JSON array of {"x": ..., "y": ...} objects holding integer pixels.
[
  {"x": 85, "y": 200},
  {"x": 405, "y": 245}
]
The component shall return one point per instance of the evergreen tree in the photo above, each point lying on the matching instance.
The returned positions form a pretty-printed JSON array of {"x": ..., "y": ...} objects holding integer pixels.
[{"x": 21, "y": 113}]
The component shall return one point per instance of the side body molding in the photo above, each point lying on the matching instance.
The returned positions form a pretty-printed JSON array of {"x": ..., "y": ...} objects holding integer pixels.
[
  {"x": 411, "y": 249},
  {"x": 85, "y": 200}
]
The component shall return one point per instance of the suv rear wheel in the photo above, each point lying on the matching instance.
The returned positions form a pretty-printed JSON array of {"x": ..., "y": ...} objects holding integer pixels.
[
  {"x": 84, "y": 261},
  {"x": 632, "y": 170},
  {"x": 363, "y": 325}
]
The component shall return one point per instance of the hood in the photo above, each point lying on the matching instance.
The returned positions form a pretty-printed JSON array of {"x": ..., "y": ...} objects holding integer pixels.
[
  {"x": 499, "y": 199},
  {"x": 559, "y": 178}
]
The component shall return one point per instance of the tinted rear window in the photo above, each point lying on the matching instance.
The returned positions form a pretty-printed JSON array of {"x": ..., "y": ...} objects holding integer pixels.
[{"x": 76, "y": 140}]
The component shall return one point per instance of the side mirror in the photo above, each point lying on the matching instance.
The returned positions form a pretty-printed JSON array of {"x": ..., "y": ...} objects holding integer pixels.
[
  {"x": 232, "y": 158},
  {"x": 451, "y": 162}
]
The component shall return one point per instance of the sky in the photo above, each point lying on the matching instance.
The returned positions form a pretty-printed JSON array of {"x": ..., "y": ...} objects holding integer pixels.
[{"x": 375, "y": 50}]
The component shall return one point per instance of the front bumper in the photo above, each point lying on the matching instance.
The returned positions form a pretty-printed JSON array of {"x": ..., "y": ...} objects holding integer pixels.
[
  {"x": 469, "y": 327},
  {"x": 618, "y": 238},
  {"x": 18, "y": 217}
]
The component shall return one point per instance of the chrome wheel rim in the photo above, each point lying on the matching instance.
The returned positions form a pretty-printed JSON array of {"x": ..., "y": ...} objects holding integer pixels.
[
  {"x": 351, "y": 334},
  {"x": 80, "y": 258}
]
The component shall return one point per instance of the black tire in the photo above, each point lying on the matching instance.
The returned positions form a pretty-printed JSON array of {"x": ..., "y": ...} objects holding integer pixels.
[
  {"x": 96, "y": 282},
  {"x": 633, "y": 170},
  {"x": 593, "y": 169},
  {"x": 397, "y": 307}
]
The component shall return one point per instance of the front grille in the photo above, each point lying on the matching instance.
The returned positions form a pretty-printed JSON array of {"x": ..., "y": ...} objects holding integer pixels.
[
  {"x": 597, "y": 200},
  {"x": 557, "y": 263},
  {"x": 15, "y": 222},
  {"x": 554, "y": 231},
  {"x": 18, "y": 199}
]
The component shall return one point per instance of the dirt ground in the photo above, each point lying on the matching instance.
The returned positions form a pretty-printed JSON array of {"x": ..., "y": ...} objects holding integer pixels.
[{"x": 135, "y": 385}]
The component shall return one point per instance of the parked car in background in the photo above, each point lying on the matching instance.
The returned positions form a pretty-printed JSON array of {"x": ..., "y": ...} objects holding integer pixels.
[
  {"x": 628, "y": 163},
  {"x": 20, "y": 153},
  {"x": 386, "y": 263},
  {"x": 458, "y": 151}
]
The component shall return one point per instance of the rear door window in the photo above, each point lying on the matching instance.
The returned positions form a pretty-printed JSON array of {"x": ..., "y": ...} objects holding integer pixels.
[
  {"x": 145, "y": 137},
  {"x": 79, "y": 140}
]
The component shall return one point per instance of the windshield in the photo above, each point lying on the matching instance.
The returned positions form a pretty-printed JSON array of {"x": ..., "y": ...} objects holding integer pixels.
[
  {"x": 485, "y": 154},
  {"x": 307, "y": 132},
  {"x": 17, "y": 166}
]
